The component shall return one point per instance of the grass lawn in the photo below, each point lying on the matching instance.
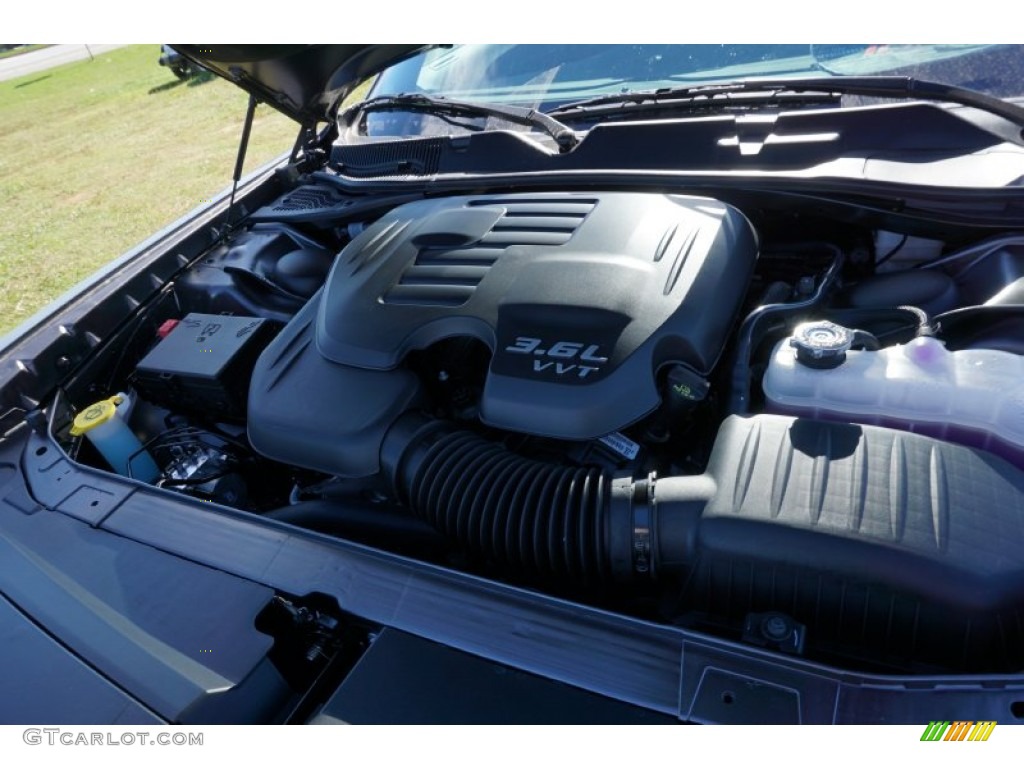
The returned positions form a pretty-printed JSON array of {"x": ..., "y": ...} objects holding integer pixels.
[{"x": 97, "y": 155}]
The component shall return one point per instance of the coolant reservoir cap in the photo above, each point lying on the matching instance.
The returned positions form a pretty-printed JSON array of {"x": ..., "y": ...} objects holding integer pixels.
[
  {"x": 821, "y": 344},
  {"x": 95, "y": 415}
]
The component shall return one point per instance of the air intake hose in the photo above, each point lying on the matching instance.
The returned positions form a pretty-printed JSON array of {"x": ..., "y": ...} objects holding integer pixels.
[{"x": 541, "y": 517}]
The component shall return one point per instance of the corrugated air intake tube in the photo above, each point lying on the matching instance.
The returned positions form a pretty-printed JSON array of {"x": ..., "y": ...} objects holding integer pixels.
[{"x": 541, "y": 517}]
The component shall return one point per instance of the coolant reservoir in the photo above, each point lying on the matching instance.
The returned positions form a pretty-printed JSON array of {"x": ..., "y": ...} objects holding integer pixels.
[{"x": 974, "y": 397}]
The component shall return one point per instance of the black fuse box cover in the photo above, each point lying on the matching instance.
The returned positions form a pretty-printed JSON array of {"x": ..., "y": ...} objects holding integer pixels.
[{"x": 203, "y": 366}]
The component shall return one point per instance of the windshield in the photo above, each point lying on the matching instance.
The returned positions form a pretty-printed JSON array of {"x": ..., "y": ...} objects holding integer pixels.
[{"x": 546, "y": 76}]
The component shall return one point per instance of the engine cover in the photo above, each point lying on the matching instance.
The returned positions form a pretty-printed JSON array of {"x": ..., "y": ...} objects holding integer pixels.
[{"x": 580, "y": 296}]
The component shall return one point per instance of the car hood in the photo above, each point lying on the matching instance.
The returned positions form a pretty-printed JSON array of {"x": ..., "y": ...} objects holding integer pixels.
[{"x": 302, "y": 81}]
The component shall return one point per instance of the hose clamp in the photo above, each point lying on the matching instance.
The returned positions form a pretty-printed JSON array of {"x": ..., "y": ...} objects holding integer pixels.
[{"x": 642, "y": 503}]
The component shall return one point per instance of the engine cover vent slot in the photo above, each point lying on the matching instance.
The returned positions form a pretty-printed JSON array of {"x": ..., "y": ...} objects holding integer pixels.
[{"x": 444, "y": 276}]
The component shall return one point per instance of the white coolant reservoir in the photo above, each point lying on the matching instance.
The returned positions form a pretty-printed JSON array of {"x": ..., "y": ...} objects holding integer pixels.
[{"x": 974, "y": 397}]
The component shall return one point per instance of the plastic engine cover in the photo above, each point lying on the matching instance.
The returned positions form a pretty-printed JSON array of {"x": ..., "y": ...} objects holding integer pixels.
[{"x": 581, "y": 297}]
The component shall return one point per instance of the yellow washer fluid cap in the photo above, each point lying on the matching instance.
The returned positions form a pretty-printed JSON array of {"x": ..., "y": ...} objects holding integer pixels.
[{"x": 95, "y": 415}]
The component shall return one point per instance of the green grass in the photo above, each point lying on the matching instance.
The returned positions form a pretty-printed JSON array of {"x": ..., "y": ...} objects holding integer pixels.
[{"x": 96, "y": 156}]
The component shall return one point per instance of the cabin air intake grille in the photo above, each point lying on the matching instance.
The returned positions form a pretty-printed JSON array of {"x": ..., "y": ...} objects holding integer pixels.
[
  {"x": 448, "y": 276},
  {"x": 308, "y": 199},
  {"x": 418, "y": 157}
]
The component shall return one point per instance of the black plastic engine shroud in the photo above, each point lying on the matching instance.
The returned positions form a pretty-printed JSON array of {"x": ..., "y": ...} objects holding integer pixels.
[{"x": 581, "y": 297}]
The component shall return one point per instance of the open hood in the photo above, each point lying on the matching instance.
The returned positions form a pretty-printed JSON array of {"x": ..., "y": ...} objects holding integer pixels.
[{"x": 302, "y": 81}]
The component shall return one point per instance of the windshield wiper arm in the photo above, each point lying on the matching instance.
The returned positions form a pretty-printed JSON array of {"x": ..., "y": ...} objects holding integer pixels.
[
  {"x": 563, "y": 135},
  {"x": 881, "y": 86}
]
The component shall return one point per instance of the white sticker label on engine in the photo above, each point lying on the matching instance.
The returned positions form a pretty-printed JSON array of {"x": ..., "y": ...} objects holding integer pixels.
[{"x": 621, "y": 444}]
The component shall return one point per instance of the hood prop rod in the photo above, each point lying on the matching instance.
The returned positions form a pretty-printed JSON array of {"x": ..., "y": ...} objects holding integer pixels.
[{"x": 243, "y": 146}]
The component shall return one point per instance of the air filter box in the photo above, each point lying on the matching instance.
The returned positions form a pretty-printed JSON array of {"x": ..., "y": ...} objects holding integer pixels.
[{"x": 203, "y": 366}]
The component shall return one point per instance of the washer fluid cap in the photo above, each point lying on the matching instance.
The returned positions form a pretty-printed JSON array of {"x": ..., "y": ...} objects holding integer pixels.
[{"x": 95, "y": 415}]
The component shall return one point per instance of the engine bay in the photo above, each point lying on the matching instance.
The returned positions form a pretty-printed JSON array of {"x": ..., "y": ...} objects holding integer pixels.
[{"x": 795, "y": 432}]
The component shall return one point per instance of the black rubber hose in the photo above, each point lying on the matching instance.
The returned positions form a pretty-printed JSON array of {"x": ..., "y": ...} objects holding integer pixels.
[
  {"x": 865, "y": 340},
  {"x": 753, "y": 326},
  {"x": 889, "y": 325},
  {"x": 539, "y": 517},
  {"x": 372, "y": 524}
]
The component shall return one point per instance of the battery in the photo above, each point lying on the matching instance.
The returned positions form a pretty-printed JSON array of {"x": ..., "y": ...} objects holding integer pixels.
[{"x": 204, "y": 364}]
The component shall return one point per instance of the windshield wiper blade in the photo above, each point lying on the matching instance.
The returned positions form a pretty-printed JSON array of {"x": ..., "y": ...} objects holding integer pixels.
[
  {"x": 691, "y": 99},
  {"x": 563, "y": 135},
  {"x": 880, "y": 86}
]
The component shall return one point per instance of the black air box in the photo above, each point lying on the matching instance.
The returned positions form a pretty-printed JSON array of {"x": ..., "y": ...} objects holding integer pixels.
[
  {"x": 204, "y": 365},
  {"x": 889, "y": 546}
]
